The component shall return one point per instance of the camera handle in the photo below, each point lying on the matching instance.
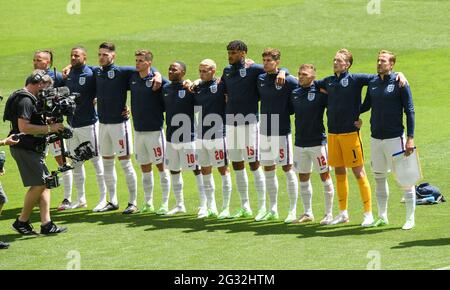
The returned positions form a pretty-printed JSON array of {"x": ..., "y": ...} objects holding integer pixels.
[{"x": 64, "y": 167}]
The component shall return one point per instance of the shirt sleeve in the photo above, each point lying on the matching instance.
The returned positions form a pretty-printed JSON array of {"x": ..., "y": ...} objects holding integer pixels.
[
  {"x": 59, "y": 81},
  {"x": 320, "y": 84},
  {"x": 367, "y": 104},
  {"x": 223, "y": 82},
  {"x": 324, "y": 99},
  {"x": 128, "y": 70},
  {"x": 291, "y": 105},
  {"x": 93, "y": 67},
  {"x": 363, "y": 79},
  {"x": 285, "y": 70},
  {"x": 258, "y": 68},
  {"x": 25, "y": 108},
  {"x": 408, "y": 107}
]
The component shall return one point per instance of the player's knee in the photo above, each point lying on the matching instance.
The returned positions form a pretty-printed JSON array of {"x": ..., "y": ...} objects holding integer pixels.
[
  {"x": 269, "y": 168},
  {"x": 325, "y": 176},
  {"x": 340, "y": 171},
  {"x": 223, "y": 170},
  {"x": 287, "y": 168},
  {"x": 254, "y": 165},
  {"x": 146, "y": 168},
  {"x": 126, "y": 157},
  {"x": 359, "y": 172},
  {"x": 304, "y": 177},
  {"x": 238, "y": 165},
  {"x": 206, "y": 170}
]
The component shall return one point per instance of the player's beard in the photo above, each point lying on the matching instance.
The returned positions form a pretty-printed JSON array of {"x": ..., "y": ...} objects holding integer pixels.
[{"x": 78, "y": 64}]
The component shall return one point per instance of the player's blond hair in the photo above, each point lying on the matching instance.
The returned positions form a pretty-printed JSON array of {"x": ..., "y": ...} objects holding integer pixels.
[
  {"x": 147, "y": 54},
  {"x": 308, "y": 66},
  {"x": 208, "y": 63},
  {"x": 392, "y": 57},
  {"x": 348, "y": 56},
  {"x": 47, "y": 52}
]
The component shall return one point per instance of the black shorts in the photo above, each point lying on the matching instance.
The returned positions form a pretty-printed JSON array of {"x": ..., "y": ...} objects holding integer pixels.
[{"x": 32, "y": 167}]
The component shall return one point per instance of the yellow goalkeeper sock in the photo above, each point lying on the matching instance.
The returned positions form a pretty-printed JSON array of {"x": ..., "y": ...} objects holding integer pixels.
[
  {"x": 342, "y": 191},
  {"x": 366, "y": 193}
]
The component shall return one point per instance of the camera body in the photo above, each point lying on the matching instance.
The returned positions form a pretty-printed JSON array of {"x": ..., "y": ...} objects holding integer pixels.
[
  {"x": 54, "y": 104},
  {"x": 84, "y": 151},
  {"x": 52, "y": 181},
  {"x": 57, "y": 103}
]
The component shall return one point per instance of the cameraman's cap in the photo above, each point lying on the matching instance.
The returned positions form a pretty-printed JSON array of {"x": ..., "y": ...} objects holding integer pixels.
[{"x": 38, "y": 76}]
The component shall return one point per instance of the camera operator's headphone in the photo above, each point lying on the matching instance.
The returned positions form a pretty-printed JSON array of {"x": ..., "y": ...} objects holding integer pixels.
[{"x": 37, "y": 76}]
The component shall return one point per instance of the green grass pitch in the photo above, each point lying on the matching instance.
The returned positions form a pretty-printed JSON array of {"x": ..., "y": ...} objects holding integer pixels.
[{"x": 305, "y": 31}]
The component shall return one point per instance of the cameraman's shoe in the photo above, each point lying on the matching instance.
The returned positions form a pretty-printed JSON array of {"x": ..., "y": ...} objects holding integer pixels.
[
  {"x": 3, "y": 245},
  {"x": 24, "y": 228},
  {"x": 109, "y": 207},
  {"x": 50, "y": 228},
  {"x": 65, "y": 204},
  {"x": 131, "y": 209}
]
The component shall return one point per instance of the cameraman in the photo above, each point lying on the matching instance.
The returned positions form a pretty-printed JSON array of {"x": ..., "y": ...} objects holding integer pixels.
[
  {"x": 23, "y": 111},
  {"x": 3, "y": 199}
]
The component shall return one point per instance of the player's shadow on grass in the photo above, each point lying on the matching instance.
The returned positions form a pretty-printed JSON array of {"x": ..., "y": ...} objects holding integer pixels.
[
  {"x": 189, "y": 223},
  {"x": 423, "y": 243}
]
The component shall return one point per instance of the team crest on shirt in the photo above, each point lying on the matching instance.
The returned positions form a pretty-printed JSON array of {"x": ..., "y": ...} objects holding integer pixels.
[
  {"x": 390, "y": 88},
  {"x": 344, "y": 82},
  {"x": 311, "y": 96},
  {"x": 181, "y": 93},
  {"x": 82, "y": 81},
  {"x": 213, "y": 89},
  {"x": 243, "y": 72},
  {"x": 148, "y": 83},
  {"x": 111, "y": 74}
]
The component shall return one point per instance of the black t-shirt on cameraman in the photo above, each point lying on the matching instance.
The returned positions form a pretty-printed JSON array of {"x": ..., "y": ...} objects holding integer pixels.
[{"x": 25, "y": 108}]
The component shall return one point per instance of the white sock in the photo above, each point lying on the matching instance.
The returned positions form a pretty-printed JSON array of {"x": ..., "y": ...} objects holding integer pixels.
[
  {"x": 410, "y": 202},
  {"x": 272, "y": 189},
  {"x": 328, "y": 190},
  {"x": 209, "y": 187},
  {"x": 201, "y": 190},
  {"x": 260, "y": 186},
  {"x": 98, "y": 167},
  {"x": 306, "y": 193},
  {"x": 164, "y": 179},
  {"x": 130, "y": 177},
  {"x": 79, "y": 177},
  {"x": 382, "y": 191},
  {"x": 67, "y": 183},
  {"x": 242, "y": 186},
  {"x": 292, "y": 188},
  {"x": 177, "y": 186},
  {"x": 110, "y": 179},
  {"x": 226, "y": 190},
  {"x": 148, "y": 183}
]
